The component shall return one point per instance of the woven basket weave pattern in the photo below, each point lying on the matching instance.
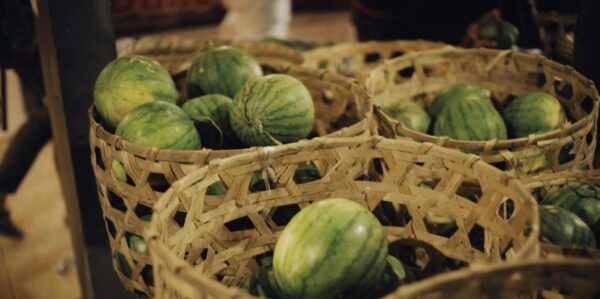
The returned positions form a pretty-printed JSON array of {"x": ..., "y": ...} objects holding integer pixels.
[
  {"x": 357, "y": 59},
  {"x": 342, "y": 109},
  {"x": 397, "y": 169},
  {"x": 420, "y": 76}
]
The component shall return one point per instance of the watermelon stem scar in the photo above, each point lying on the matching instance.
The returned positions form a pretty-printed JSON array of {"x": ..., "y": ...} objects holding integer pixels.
[{"x": 266, "y": 133}]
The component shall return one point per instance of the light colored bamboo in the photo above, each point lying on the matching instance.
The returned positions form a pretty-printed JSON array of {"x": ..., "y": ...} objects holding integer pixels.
[
  {"x": 357, "y": 59},
  {"x": 190, "y": 259},
  {"x": 420, "y": 76}
]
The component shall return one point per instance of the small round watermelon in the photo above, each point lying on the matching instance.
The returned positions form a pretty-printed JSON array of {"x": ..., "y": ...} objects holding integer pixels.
[
  {"x": 457, "y": 92},
  {"x": 129, "y": 81},
  {"x": 474, "y": 120},
  {"x": 212, "y": 110},
  {"x": 561, "y": 227},
  {"x": 581, "y": 199},
  {"x": 508, "y": 35},
  {"x": 409, "y": 114},
  {"x": 222, "y": 70},
  {"x": 532, "y": 113},
  {"x": 332, "y": 247},
  {"x": 271, "y": 110},
  {"x": 159, "y": 124}
]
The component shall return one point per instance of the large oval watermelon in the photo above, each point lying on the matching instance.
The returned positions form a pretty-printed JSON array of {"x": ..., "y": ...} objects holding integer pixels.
[
  {"x": 457, "y": 92},
  {"x": 332, "y": 247},
  {"x": 475, "y": 120},
  {"x": 129, "y": 81},
  {"x": 159, "y": 124},
  {"x": 273, "y": 109},
  {"x": 222, "y": 70},
  {"x": 532, "y": 113},
  {"x": 212, "y": 110},
  {"x": 561, "y": 227},
  {"x": 409, "y": 114},
  {"x": 581, "y": 199}
]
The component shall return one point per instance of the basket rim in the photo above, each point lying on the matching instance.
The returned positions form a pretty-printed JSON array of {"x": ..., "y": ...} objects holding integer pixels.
[
  {"x": 342, "y": 48},
  {"x": 475, "y": 271},
  {"x": 496, "y": 144},
  {"x": 152, "y": 231}
]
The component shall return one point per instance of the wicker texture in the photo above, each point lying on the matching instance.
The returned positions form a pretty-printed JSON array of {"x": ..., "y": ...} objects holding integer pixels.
[
  {"x": 176, "y": 53},
  {"x": 357, "y": 59},
  {"x": 342, "y": 109},
  {"x": 542, "y": 278},
  {"x": 189, "y": 255},
  {"x": 556, "y": 31},
  {"x": 420, "y": 76}
]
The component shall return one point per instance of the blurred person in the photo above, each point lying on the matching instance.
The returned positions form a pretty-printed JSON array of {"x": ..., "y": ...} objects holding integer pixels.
[
  {"x": 256, "y": 19},
  {"x": 18, "y": 51}
]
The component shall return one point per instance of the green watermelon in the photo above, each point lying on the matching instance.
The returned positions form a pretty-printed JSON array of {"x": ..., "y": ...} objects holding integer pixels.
[
  {"x": 129, "y": 81},
  {"x": 561, "y": 227},
  {"x": 210, "y": 109},
  {"x": 159, "y": 124},
  {"x": 394, "y": 275},
  {"x": 487, "y": 30},
  {"x": 332, "y": 247},
  {"x": 457, "y": 92},
  {"x": 306, "y": 173},
  {"x": 582, "y": 199},
  {"x": 508, "y": 35},
  {"x": 409, "y": 114},
  {"x": 119, "y": 171},
  {"x": 532, "y": 113},
  {"x": 271, "y": 110},
  {"x": 474, "y": 120},
  {"x": 123, "y": 265},
  {"x": 222, "y": 70},
  {"x": 217, "y": 188},
  {"x": 137, "y": 243}
]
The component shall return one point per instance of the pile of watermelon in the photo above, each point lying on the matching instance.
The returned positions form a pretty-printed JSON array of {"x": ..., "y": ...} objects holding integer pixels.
[
  {"x": 231, "y": 103},
  {"x": 571, "y": 216},
  {"x": 467, "y": 112}
]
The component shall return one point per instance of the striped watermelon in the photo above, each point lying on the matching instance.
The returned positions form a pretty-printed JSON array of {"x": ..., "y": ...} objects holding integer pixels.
[
  {"x": 271, "y": 110},
  {"x": 159, "y": 124},
  {"x": 561, "y": 227},
  {"x": 409, "y": 114},
  {"x": 129, "y": 81},
  {"x": 222, "y": 70},
  {"x": 332, "y": 247},
  {"x": 212, "y": 110},
  {"x": 581, "y": 199},
  {"x": 457, "y": 92},
  {"x": 532, "y": 113},
  {"x": 475, "y": 120}
]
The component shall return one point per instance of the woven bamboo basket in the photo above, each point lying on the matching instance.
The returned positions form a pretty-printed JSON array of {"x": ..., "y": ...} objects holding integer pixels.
[
  {"x": 176, "y": 53},
  {"x": 342, "y": 109},
  {"x": 556, "y": 31},
  {"x": 357, "y": 59},
  {"x": 543, "y": 278},
  {"x": 420, "y": 76},
  {"x": 192, "y": 254}
]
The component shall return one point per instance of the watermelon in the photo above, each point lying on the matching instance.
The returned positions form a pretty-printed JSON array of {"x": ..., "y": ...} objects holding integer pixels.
[
  {"x": 508, "y": 35},
  {"x": 210, "y": 109},
  {"x": 217, "y": 188},
  {"x": 532, "y": 113},
  {"x": 306, "y": 173},
  {"x": 475, "y": 120},
  {"x": 457, "y": 92},
  {"x": 118, "y": 171},
  {"x": 561, "y": 227},
  {"x": 332, "y": 247},
  {"x": 487, "y": 30},
  {"x": 129, "y": 81},
  {"x": 272, "y": 110},
  {"x": 159, "y": 124},
  {"x": 222, "y": 70},
  {"x": 394, "y": 275},
  {"x": 410, "y": 115},
  {"x": 123, "y": 265},
  {"x": 137, "y": 243},
  {"x": 581, "y": 199}
]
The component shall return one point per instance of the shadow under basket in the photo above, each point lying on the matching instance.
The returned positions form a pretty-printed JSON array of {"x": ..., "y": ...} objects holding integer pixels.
[
  {"x": 342, "y": 109},
  {"x": 407, "y": 185},
  {"x": 420, "y": 76}
]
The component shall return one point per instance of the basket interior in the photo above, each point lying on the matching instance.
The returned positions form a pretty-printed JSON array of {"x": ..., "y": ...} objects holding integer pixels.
[{"x": 412, "y": 188}]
